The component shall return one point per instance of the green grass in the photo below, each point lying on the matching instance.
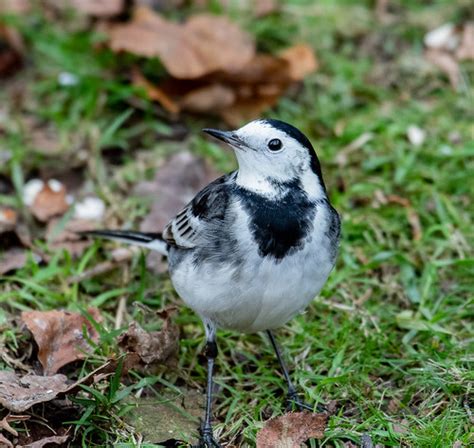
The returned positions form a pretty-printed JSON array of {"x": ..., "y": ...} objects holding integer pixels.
[{"x": 389, "y": 340}]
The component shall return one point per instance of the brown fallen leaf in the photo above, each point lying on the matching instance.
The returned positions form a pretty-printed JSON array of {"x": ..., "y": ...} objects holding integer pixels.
[
  {"x": 98, "y": 8},
  {"x": 8, "y": 219},
  {"x": 210, "y": 98},
  {"x": 20, "y": 393},
  {"x": 12, "y": 259},
  {"x": 55, "y": 440},
  {"x": 465, "y": 51},
  {"x": 176, "y": 182},
  {"x": 4, "y": 442},
  {"x": 301, "y": 59},
  {"x": 5, "y": 422},
  {"x": 188, "y": 50},
  {"x": 60, "y": 336},
  {"x": 67, "y": 237},
  {"x": 50, "y": 201},
  {"x": 152, "y": 346},
  {"x": 447, "y": 63},
  {"x": 291, "y": 430},
  {"x": 154, "y": 93}
]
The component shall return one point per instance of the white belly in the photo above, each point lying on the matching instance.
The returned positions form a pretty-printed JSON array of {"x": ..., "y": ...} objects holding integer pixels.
[{"x": 259, "y": 293}]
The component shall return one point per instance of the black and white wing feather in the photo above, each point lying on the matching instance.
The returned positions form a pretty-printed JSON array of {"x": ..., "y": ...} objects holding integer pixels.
[{"x": 195, "y": 224}]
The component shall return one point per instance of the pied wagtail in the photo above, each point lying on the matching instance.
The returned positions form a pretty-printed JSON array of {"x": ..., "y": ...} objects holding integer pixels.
[{"x": 255, "y": 246}]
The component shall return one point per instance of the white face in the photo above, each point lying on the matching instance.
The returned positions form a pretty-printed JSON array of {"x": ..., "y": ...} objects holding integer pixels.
[{"x": 270, "y": 153}]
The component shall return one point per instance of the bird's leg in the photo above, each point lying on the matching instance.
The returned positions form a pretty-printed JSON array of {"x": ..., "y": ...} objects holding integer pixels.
[
  {"x": 210, "y": 352},
  {"x": 292, "y": 396}
]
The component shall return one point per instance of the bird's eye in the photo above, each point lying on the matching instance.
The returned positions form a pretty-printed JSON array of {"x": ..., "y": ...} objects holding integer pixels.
[{"x": 274, "y": 144}]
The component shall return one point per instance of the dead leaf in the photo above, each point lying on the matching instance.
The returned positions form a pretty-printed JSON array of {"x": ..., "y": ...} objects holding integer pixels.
[
  {"x": 210, "y": 98},
  {"x": 291, "y": 430},
  {"x": 265, "y": 7},
  {"x": 176, "y": 182},
  {"x": 99, "y": 8},
  {"x": 247, "y": 109},
  {"x": 67, "y": 237},
  {"x": 12, "y": 259},
  {"x": 60, "y": 336},
  {"x": 465, "y": 51},
  {"x": 20, "y": 393},
  {"x": 188, "y": 50},
  {"x": 4, "y": 442},
  {"x": 8, "y": 219},
  {"x": 5, "y": 422},
  {"x": 171, "y": 416},
  {"x": 50, "y": 201},
  {"x": 152, "y": 346},
  {"x": 56, "y": 440},
  {"x": 447, "y": 64},
  {"x": 302, "y": 61},
  {"x": 154, "y": 93}
]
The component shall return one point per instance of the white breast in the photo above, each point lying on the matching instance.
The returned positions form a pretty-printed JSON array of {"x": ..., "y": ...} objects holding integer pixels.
[{"x": 258, "y": 293}]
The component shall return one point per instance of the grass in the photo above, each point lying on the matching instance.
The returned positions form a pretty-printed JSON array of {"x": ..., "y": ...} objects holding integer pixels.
[{"x": 389, "y": 340}]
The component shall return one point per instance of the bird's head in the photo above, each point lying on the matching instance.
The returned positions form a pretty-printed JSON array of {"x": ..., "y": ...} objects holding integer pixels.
[{"x": 272, "y": 152}]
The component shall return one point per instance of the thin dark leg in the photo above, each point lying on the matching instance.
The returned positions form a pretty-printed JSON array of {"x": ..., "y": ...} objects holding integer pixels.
[
  {"x": 292, "y": 396},
  {"x": 207, "y": 438}
]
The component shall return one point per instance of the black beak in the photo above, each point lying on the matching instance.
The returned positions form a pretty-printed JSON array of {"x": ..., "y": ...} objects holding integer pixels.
[{"x": 226, "y": 136}]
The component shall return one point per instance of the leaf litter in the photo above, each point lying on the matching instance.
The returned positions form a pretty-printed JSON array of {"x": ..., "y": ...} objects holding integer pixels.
[
  {"x": 152, "y": 347},
  {"x": 291, "y": 430},
  {"x": 237, "y": 84},
  {"x": 62, "y": 336}
]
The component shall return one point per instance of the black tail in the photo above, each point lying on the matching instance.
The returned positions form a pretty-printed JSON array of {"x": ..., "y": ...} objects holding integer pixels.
[{"x": 153, "y": 241}]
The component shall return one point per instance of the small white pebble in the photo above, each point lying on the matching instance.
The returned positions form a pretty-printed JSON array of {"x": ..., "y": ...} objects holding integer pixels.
[
  {"x": 416, "y": 136},
  {"x": 89, "y": 208},
  {"x": 67, "y": 79},
  {"x": 31, "y": 190},
  {"x": 55, "y": 185},
  {"x": 442, "y": 38}
]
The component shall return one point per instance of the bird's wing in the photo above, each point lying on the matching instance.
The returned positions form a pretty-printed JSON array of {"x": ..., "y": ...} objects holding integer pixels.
[{"x": 194, "y": 224}]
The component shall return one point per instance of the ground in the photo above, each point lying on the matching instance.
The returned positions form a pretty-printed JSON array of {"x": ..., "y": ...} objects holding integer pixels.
[{"x": 387, "y": 342}]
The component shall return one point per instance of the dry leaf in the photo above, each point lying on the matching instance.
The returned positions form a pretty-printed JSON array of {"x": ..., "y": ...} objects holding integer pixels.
[
  {"x": 50, "y": 201},
  {"x": 465, "y": 51},
  {"x": 20, "y": 393},
  {"x": 8, "y": 219},
  {"x": 302, "y": 61},
  {"x": 247, "y": 109},
  {"x": 154, "y": 92},
  {"x": 152, "y": 346},
  {"x": 60, "y": 336},
  {"x": 67, "y": 238},
  {"x": 188, "y": 50},
  {"x": 291, "y": 430},
  {"x": 12, "y": 259},
  {"x": 176, "y": 182},
  {"x": 210, "y": 98},
  {"x": 99, "y": 8},
  {"x": 446, "y": 63},
  {"x": 56, "y": 440},
  {"x": 4, "y": 442}
]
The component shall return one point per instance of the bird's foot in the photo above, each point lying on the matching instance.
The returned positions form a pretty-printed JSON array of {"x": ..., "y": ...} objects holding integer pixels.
[
  {"x": 293, "y": 400},
  {"x": 207, "y": 439}
]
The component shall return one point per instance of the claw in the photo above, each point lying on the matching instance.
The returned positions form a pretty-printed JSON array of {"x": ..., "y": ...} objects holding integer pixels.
[{"x": 207, "y": 440}]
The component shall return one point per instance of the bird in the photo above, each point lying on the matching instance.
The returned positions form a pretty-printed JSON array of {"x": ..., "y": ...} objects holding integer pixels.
[{"x": 253, "y": 248}]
